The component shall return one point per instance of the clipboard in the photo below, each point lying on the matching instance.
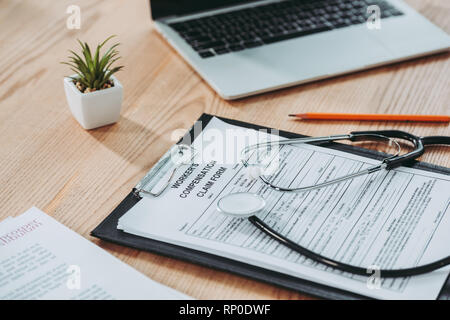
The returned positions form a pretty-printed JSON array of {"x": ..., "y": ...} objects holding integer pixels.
[{"x": 107, "y": 229}]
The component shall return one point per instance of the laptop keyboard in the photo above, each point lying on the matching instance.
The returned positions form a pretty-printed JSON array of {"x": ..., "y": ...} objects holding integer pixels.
[{"x": 253, "y": 27}]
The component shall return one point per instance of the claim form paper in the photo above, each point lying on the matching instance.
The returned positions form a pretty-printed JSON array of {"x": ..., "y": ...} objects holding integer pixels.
[
  {"x": 42, "y": 259},
  {"x": 392, "y": 219}
]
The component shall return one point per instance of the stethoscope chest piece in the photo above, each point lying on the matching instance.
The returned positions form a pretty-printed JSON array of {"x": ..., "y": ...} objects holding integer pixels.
[{"x": 241, "y": 204}]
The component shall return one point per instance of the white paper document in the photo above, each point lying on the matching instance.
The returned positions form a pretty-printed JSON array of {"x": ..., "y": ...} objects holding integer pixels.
[
  {"x": 389, "y": 219},
  {"x": 42, "y": 259}
]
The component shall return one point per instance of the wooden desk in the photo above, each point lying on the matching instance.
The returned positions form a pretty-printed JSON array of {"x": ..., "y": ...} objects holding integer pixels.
[{"x": 47, "y": 160}]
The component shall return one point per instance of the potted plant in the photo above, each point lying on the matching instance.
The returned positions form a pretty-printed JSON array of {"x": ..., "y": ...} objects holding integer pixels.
[{"x": 93, "y": 93}]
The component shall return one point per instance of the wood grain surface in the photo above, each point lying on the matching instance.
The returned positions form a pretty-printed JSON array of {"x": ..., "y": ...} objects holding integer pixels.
[{"x": 47, "y": 160}]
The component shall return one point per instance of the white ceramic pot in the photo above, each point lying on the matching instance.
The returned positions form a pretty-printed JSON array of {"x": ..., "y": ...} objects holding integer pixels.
[{"x": 94, "y": 109}]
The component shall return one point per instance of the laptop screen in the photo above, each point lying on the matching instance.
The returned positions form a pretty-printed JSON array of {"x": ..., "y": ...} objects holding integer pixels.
[{"x": 165, "y": 8}]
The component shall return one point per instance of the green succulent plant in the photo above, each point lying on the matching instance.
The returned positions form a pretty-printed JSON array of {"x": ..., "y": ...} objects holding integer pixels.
[{"x": 94, "y": 71}]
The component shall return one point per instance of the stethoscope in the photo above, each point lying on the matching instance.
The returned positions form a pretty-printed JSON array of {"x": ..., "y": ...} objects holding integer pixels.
[{"x": 247, "y": 204}]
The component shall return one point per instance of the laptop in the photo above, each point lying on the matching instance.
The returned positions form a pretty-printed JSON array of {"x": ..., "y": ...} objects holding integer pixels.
[{"x": 243, "y": 47}]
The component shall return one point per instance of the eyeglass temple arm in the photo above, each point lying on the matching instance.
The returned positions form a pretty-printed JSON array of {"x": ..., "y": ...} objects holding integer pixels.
[{"x": 385, "y": 273}]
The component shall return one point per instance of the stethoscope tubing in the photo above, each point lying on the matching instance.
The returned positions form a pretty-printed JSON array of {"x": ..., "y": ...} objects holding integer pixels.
[{"x": 382, "y": 273}]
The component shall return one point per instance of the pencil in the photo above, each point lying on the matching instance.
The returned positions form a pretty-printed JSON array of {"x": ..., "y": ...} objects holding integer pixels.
[{"x": 371, "y": 117}]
